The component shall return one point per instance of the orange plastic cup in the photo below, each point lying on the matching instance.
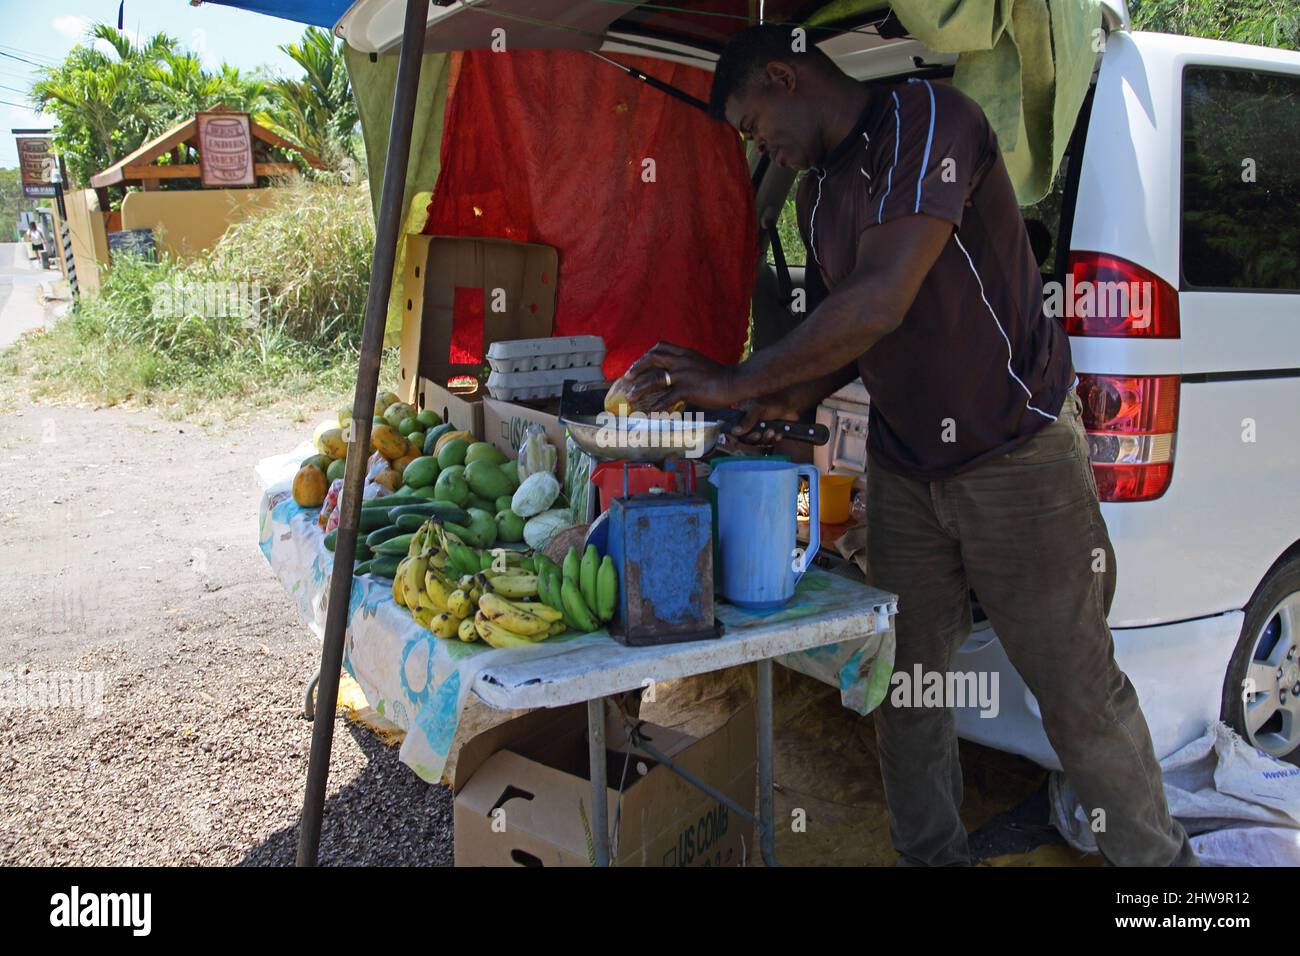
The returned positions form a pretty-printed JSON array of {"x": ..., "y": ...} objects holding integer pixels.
[{"x": 836, "y": 497}]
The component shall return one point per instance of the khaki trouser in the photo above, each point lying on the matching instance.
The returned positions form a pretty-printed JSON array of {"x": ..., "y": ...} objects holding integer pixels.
[{"x": 1025, "y": 532}]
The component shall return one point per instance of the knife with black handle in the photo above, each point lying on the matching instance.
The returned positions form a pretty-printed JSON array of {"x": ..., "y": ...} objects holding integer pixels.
[{"x": 813, "y": 434}]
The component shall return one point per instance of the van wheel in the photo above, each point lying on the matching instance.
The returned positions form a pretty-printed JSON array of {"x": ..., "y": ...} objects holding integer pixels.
[{"x": 1261, "y": 694}]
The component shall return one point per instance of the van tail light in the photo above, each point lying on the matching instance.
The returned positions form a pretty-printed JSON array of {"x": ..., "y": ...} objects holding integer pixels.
[
  {"x": 1108, "y": 296},
  {"x": 1131, "y": 421}
]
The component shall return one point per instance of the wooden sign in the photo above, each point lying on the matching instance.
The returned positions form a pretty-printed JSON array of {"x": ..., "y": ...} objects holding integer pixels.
[
  {"x": 37, "y": 163},
  {"x": 225, "y": 150}
]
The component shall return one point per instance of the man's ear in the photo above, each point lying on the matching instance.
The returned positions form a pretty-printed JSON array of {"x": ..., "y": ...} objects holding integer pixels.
[{"x": 782, "y": 75}]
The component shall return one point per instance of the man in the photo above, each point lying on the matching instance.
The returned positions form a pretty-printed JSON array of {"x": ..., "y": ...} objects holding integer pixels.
[{"x": 978, "y": 475}]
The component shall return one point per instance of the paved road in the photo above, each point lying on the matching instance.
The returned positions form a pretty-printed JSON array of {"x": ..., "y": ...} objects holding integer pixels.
[{"x": 20, "y": 305}]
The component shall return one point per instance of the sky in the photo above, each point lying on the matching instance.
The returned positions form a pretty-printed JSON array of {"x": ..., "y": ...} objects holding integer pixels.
[{"x": 43, "y": 31}]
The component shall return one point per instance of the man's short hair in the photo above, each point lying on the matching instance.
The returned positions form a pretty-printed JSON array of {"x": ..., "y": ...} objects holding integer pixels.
[{"x": 748, "y": 53}]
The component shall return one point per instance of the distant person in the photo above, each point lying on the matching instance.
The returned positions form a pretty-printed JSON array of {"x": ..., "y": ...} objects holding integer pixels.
[{"x": 37, "y": 239}]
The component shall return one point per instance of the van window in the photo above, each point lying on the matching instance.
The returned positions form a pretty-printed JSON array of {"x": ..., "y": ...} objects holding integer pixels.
[
  {"x": 787, "y": 227},
  {"x": 1241, "y": 179}
]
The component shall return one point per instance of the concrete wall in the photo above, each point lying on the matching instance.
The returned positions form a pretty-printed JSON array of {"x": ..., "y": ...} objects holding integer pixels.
[
  {"x": 188, "y": 222},
  {"x": 89, "y": 237}
]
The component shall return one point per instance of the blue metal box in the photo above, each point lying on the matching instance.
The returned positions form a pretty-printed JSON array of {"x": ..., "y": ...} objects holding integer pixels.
[{"x": 662, "y": 548}]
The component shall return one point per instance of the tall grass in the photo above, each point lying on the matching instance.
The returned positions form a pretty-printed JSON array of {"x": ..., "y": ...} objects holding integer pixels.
[{"x": 151, "y": 334}]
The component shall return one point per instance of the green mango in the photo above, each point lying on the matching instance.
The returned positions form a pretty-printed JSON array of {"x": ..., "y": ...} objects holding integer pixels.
[
  {"x": 484, "y": 451},
  {"x": 483, "y": 526},
  {"x": 511, "y": 470},
  {"x": 453, "y": 453},
  {"x": 421, "y": 472},
  {"x": 451, "y": 486},
  {"x": 503, "y": 503},
  {"x": 487, "y": 480},
  {"x": 510, "y": 527}
]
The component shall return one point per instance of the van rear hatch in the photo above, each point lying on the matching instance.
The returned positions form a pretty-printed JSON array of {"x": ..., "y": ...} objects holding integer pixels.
[{"x": 375, "y": 26}]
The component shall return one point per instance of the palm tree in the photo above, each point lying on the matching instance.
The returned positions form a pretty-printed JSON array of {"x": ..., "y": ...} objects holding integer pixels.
[{"x": 317, "y": 111}]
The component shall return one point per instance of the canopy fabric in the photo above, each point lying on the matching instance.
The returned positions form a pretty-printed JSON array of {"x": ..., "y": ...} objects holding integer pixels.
[
  {"x": 318, "y": 13},
  {"x": 1028, "y": 63},
  {"x": 373, "y": 84},
  {"x": 647, "y": 199}
]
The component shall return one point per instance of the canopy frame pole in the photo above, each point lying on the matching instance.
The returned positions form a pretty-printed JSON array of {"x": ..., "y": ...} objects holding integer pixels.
[{"x": 363, "y": 409}]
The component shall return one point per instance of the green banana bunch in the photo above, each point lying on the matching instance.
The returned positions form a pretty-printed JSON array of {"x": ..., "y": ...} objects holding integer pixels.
[
  {"x": 587, "y": 575},
  {"x": 572, "y": 567},
  {"x": 576, "y": 612},
  {"x": 606, "y": 590}
]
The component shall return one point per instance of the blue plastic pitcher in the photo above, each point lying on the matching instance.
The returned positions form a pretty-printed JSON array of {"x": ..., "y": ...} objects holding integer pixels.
[{"x": 757, "y": 528}]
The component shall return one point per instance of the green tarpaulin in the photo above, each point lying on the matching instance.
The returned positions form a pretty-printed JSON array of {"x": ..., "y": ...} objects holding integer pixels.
[{"x": 1026, "y": 62}]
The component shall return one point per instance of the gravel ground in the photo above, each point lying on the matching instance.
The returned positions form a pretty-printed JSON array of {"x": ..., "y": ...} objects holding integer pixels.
[{"x": 131, "y": 564}]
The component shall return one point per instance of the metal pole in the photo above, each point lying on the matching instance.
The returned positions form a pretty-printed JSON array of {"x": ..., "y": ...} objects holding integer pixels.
[
  {"x": 599, "y": 800},
  {"x": 363, "y": 406},
  {"x": 766, "y": 801}
]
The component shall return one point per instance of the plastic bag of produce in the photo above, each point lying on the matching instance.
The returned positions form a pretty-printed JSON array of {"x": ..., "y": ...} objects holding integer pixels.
[
  {"x": 536, "y": 454},
  {"x": 331, "y": 502},
  {"x": 374, "y": 465},
  {"x": 577, "y": 478}
]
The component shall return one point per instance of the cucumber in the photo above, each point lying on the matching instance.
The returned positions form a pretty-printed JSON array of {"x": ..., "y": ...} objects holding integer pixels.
[
  {"x": 410, "y": 522},
  {"x": 372, "y": 519},
  {"x": 397, "y": 546},
  {"x": 387, "y": 501},
  {"x": 331, "y": 540},
  {"x": 384, "y": 565},
  {"x": 360, "y": 568},
  {"x": 363, "y": 551},
  {"x": 442, "y": 510},
  {"x": 376, "y": 538}
]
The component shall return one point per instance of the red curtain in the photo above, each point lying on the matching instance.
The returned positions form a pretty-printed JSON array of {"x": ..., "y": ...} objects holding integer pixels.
[{"x": 647, "y": 200}]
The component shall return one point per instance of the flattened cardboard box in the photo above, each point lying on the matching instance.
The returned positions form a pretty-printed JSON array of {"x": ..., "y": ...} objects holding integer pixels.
[
  {"x": 529, "y": 805},
  {"x": 503, "y": 426},
  {"x": 513, "y": 283}
]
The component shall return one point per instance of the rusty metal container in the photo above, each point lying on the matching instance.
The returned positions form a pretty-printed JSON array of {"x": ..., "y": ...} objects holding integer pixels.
[{"x": 662, "y": 548}]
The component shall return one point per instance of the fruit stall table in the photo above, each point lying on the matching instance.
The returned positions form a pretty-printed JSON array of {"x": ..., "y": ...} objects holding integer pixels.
[{"x": 835, "y": 629}]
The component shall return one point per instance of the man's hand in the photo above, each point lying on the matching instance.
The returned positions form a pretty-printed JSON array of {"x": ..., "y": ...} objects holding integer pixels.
[
  {"x": 768, "y": 408},
  {"x": 670, "y": 373}
]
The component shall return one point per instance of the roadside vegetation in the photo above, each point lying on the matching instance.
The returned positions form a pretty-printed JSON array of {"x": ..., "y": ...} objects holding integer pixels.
[{"x": 294, "y": 278}]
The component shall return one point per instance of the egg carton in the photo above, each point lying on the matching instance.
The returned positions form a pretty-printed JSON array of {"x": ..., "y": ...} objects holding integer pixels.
[
  {"x": 547, "y": 383},
  {"x": 539, "y": 355}
]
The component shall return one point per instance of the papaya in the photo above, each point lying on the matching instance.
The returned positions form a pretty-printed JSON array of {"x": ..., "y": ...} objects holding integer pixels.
[
  {"x": 398, "y": 412},
  {"x": 387, "y": 442},
  {"x": 331, "y": 442},
  {"x": 400, "y": 464},
  {"x": 309, "y": 487},
  {"x": 389, "y": 478}
]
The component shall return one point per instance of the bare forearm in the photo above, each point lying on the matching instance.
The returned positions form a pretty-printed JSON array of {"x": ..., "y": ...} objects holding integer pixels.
[{"x": 808, "y": 395}]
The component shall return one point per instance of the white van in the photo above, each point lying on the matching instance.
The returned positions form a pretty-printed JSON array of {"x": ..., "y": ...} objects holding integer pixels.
[{"x": 1183, "y": 173}]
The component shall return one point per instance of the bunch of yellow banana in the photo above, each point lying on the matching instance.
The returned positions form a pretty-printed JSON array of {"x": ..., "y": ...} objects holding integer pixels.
[
  {"x": 513, "y": 584},
  {"x": 505, "y": 623}
]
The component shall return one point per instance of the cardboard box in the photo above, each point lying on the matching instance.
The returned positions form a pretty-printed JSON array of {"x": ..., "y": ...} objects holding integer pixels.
[
  {"x": 529, "y": 804},
  {"x": 503, "y": 426},
  {"x": 462, "y": 407},
  {"x": 509, "y": 285}
]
